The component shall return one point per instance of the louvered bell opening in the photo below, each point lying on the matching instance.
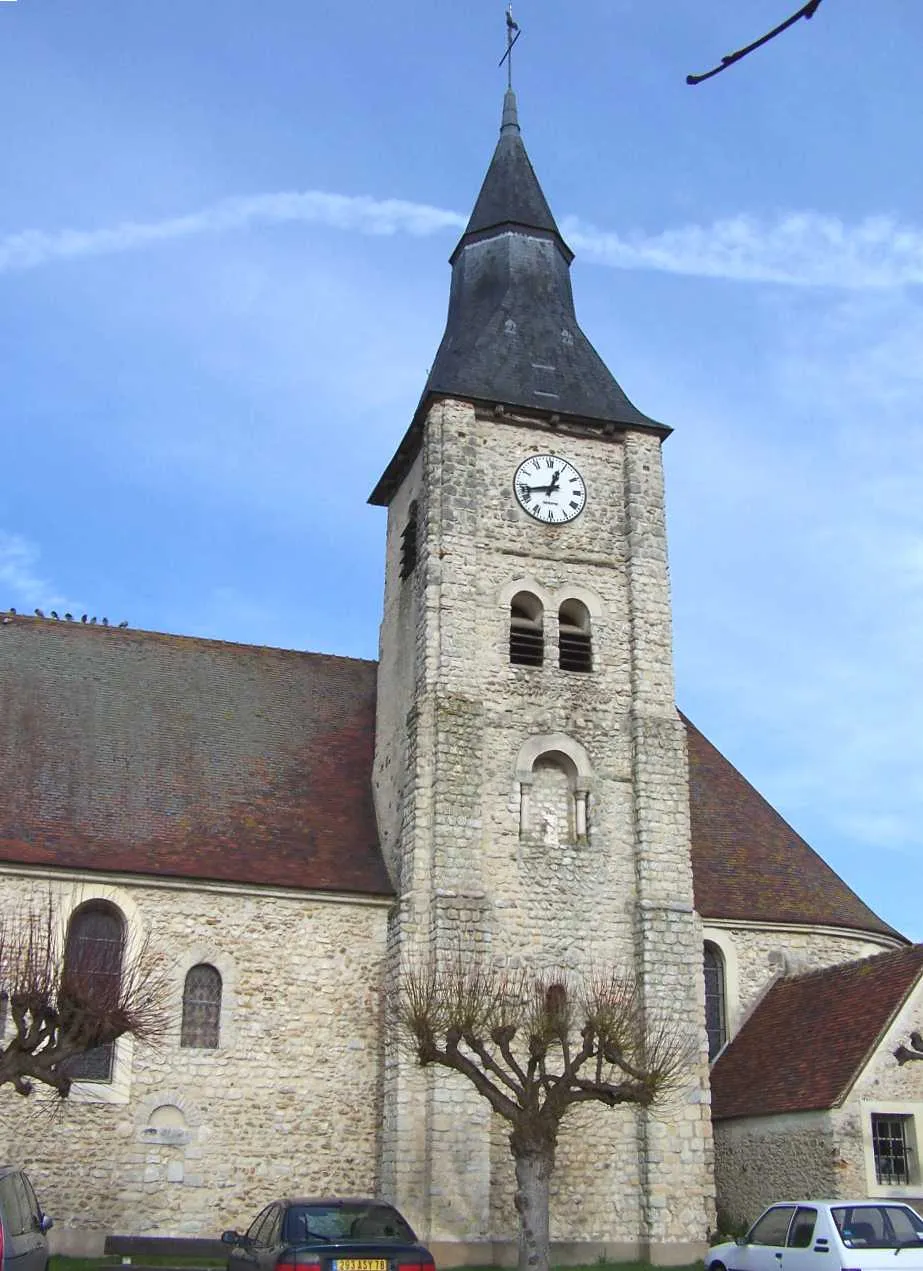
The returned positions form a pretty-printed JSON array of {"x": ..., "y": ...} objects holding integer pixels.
[
  {"x": 576, "y": 651},
  {"x": 574, "y": 643},
  {"x": 527, "y": 644},
  {"x": 527, "y": 637}
]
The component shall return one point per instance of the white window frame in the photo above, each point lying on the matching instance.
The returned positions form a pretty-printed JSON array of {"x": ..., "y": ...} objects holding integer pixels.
[
  {"x": 912, "y": 1115},
  {"x": 724, "y": 943}
]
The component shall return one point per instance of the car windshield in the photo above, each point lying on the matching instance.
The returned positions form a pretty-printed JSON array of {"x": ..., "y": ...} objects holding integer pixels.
[
  {"x": 878, "y": 1226},
  {"x": 348, "y": 1221}
]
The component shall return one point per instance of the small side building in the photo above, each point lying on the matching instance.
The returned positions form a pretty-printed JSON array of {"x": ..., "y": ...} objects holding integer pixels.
[{"x": 819, "y": 1093}]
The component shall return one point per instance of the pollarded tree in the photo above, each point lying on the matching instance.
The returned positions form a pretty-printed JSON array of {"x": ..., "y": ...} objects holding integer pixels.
[
  {"x": 535, "y": 1046},
  {"x": 66, "y": 997}
]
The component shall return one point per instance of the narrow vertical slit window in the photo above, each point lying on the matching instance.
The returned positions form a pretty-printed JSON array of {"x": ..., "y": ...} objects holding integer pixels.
[
  {"x": 575, "y": 642},
  {"x": 409, "y": 546},
  {"x": 715, "y": 1000},
  {"x": 527, "y": 637}
]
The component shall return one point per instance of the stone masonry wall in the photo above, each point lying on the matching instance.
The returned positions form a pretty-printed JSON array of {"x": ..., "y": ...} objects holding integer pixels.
[
  {"x": 761, "y": 1160},
  {"x": 199, "y": 1140},
  {"x": 470, "y": 874},
  {"x": 759, "y": 952}
]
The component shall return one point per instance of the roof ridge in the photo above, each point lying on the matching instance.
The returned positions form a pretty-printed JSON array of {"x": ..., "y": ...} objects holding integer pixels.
[{"x": 21, "y": 619}]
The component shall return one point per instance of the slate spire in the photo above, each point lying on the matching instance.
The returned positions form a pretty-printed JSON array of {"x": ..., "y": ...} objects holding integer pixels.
[
  {"x": 512, "y": 336},
  {"x": 511, "y": 195}
]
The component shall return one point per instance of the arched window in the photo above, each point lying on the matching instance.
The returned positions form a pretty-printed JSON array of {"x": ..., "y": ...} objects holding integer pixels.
[
  {"x": 201, "y": 1007},
  {"x": 527, "y": 640},
  {"x": 715, "y": 1000},
  {"x": 574, "y": 641},
  {"x": 93, "y": 973}
]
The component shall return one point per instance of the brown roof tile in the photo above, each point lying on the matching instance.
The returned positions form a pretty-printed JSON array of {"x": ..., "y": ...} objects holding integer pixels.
[
  {"x": 133, "y": 751},
  {"x": 748, "y": 863},
  {"x": 809, "y": 1037}
]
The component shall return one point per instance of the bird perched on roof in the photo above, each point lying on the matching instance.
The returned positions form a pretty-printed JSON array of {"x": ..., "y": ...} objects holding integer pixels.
[
  {"x": 39, "y": 614},
  {"x": 123, "y": 624},
  {"x": 83, "y": 617},
  {"x": 53, "y": 613}
]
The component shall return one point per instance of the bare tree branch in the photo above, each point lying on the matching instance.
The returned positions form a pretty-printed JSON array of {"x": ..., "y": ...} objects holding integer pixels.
[
  {"x": 806, "y": 11},
  {"x": 526, "y": 1044},
  {"x": 64, "y": 1003}
]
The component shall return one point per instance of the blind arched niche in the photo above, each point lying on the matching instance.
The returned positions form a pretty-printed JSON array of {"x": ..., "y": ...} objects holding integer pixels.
[{"x": 555, "y": 779}]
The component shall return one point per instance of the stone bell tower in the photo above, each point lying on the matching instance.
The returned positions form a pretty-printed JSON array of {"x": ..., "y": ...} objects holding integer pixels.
[{"x": 530, "y": 769}]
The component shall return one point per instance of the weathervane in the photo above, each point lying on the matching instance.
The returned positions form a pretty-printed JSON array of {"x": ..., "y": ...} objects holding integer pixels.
[{"x": 512, "y": 35}]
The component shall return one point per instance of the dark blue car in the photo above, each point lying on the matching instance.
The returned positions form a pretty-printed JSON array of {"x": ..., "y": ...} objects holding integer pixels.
[{"x": 327, "y": 1235}]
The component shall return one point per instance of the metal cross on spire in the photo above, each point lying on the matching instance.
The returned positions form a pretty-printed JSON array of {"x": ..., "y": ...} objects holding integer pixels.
[{"x": 512, "y": 35}]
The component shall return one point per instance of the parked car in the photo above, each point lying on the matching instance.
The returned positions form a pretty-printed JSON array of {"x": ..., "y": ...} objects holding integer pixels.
[
  {"x": 327, "y": 1235},
  {"x": 827, "y": 1235},
  {"x": 23, "y": 1226}
]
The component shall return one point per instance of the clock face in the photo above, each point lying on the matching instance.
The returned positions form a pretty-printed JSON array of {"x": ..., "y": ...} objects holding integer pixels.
[{"x": 549, "y": 489}]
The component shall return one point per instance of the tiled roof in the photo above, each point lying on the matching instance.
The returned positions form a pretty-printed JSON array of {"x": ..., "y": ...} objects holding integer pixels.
[
  {"x": 167, "y": 755},
  {"x": 809, "y": 1037},
  {"x": 748, "y": 863},
  {"x": 133, "y": 751}
]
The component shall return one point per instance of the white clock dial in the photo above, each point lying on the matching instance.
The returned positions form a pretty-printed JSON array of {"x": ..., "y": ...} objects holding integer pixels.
[{"x": 550, "y": 489}]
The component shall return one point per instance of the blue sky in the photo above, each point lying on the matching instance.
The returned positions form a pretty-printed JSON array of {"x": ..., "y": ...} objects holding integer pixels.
[{"x": 223, "y": 241}]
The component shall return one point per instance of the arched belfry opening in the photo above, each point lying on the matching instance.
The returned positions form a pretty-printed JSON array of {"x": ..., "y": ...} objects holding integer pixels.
[
  {"x": 575, "y": 643},
  {"x": 527, "y": 635}
]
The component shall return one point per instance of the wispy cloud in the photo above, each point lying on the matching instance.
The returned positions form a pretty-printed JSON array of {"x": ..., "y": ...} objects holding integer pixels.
[
  {"x": 21, "y": 580},
  {"x": 32, "y": 248},
  {"x": 798, "y": 249}
]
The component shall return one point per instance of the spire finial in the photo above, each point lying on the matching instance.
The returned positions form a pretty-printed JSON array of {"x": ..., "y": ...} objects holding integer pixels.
[{"x": 512, "y": 35}]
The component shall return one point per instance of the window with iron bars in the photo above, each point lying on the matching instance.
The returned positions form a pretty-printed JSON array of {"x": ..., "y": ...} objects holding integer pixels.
[{"x": 891, "y": 1148}]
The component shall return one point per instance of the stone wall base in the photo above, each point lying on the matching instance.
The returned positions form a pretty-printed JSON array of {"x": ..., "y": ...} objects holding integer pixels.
[
  {"x": 566, "y": 1253},
  {"x": 76, "y": 1242}
]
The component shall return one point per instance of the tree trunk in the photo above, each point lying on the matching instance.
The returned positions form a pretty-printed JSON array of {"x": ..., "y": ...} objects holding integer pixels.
[{"x": 533, "y": 1176}]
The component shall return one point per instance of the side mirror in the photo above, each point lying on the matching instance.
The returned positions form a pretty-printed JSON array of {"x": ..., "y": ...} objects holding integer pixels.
[
  {"x": 46, "y": 1222},
  {"x": 741, "y": 1240},
  {"x": 231, "y": 1238}
]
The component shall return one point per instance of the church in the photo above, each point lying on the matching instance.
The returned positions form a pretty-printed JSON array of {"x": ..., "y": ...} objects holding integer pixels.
[{"x": 291, "y": 831}]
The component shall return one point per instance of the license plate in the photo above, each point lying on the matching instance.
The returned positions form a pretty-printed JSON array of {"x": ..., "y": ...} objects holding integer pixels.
[{"x": 360, "y": 1264}]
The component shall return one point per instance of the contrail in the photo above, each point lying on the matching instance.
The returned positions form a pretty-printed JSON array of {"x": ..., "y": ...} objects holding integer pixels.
[
  {"x": 30, "y": 249},
  {"x": 799, "y": 249}
]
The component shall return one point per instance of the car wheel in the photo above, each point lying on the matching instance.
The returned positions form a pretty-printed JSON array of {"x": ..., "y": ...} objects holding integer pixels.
[{"x": 716, "y": 1266}]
